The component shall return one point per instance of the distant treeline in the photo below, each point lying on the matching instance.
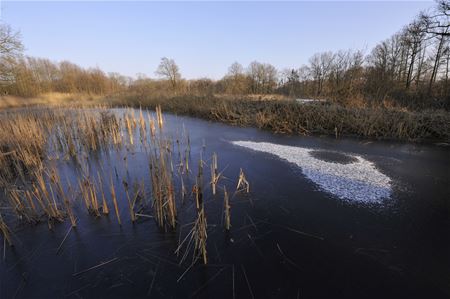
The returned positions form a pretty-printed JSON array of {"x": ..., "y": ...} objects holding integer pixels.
[
  {"x": 409, "y": 69},
  {"x": 33, "y": 76}
]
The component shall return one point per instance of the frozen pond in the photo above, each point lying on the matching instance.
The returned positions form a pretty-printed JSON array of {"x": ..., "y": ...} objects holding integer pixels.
[
  {"x": 357, "y": 180},
  {"x": 324, "y": 218}
]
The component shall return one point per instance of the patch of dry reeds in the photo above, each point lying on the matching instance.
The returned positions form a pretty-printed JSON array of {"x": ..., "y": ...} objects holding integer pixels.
[{"x": 34, "y": 138}]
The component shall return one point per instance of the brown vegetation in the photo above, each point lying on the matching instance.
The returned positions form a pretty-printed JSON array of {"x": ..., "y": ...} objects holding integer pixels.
[
  {"x": 290, "y": 117},
  {"x": 50, "y": 99},
  {"x": 37, "y": 137}
]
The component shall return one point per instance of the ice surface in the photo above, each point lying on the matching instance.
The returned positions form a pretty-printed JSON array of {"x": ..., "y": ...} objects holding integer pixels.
[{"x": 359, "y": 181}]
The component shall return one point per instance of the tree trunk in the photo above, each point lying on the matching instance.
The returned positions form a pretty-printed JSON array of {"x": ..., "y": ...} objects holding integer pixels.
[
  {"x": 419, "y": 68},
  {"x": 411, "y": 66},
  {"x": 436, "y": 63}
]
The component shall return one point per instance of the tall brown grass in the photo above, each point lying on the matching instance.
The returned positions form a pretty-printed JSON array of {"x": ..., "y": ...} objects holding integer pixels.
[
  {"x": 50, "y": 98},
  {"x": 36, "y": 137},
  {"x": 289, "y": 117}
]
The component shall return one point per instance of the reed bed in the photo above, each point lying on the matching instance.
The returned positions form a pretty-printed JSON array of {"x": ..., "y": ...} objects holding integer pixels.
[
  {"x": 289, "y": 117},
  {"x": 199, "y": 231},
  {"x": 196, "y": 239},
  {"x": 161, "y": 172},
  {"x": 37, "y": 141}
]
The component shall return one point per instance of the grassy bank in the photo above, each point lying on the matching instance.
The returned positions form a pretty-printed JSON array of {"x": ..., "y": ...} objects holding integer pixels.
[
  {"x": 51, "y": 98},
  {"x": 277, "y": 115},
  {"x": 283, "y": 116}
]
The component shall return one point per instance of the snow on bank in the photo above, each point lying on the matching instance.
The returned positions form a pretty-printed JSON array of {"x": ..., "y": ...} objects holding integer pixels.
[{"x": 359, "y": 181}]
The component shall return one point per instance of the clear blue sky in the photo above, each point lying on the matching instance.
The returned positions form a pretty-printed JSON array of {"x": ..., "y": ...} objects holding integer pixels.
[{"x": 204, "y": 38}]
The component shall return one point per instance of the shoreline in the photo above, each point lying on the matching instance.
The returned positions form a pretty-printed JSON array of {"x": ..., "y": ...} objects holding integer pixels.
[{"x": 279, "y": 116}]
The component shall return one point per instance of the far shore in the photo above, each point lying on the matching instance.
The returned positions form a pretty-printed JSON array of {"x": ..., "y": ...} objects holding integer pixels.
[{"x": 272, "y": 112}]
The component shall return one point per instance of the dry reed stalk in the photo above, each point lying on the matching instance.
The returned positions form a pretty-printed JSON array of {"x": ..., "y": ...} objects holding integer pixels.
[
  {"x": 105, "y": 208},
  {"x": 116, "y": 137},
  {"x": 171, "y": 163},
  {"x": 130, "y": 202},
  {"x": 157, "y": 202},
  {"x": 151, "y": 122},
  {"x": 84, "y": 194},
  {"x": 22, "y": 139},
  {"x": 5, "y": 230},
  {"x": 161, "y": 173},
  {"x": 227, "y": 208},
  {"x": 183, "y": 189},
  {"x": 89, "y": 194},
  {"x": 37, "y": 195},
  {"x": 70, "y": 143},
  {"x": 186, "y": 164},
  {"x": 56, "y": 211},
  {"x": 198, "y": 188},
  {"x": 43, "y": 195},
  {"x": 200, "y": 226},
  {"x": 54, "y": 204},
  {"x": 93, "y": 195},
  {"x": 215, "y": 175},
  {"x": 15, "y": 201},
  {"x": 142, "y": 127},
  {"x": 72, "y": 217},
  {"x": 188, "y": 143},
  {"x": 56, "y": 179},
  {"x": 197, "y": 236},
  {"x": 169, "y": 206},
  {"x": 47, "y": 198},
  {"x": 29, "y": 197},
  {"x": 133, "y": 118},
  {"x": 114, "y": 199},
  {"x": 200, "y": 235},
  {"x": 129, "y": 129},
  {"x": 172, "y": 211},
  {"x": 242, "y": 184},
  {"x": 6, "y": 154},
  {"x": 19, "y": 207},
  {"x": 91, "y": 133},
  {"x": 159, "y": 117}
]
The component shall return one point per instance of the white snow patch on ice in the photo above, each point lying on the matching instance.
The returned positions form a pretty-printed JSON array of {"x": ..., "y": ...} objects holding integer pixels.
[{"x": 359, "y": 180}]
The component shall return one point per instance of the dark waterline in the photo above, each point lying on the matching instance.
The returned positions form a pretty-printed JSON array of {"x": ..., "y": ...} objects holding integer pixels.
[{"x": 288, "y": 238}]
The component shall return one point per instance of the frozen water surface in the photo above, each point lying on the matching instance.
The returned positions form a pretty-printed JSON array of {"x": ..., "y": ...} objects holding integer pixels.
[{"x": 358, "y": 180}]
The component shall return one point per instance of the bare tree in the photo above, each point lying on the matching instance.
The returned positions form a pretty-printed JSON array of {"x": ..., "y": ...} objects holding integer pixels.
[
  {"x": 263, "y": 77},
  {"x": 447, "y": 64},
  {"x": 438, "y": 26},
  {"x": 237, "y": 81},
  {"x": 169, "y": 69},
  {"x": 321, "y": 64},
  {"x": 439, "y": 22},
  {"x": 235, "y": 70},
  {"x": 346, "y": 67},
  {"x": 386, "y": 64},
  {"x": 414, "y": 38},
  {"x": 10, "y": 43},
  {"x": 10, "y": 49},
  {"x": 291, "y": 79},
  {"x": 255, "y": 73}
]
